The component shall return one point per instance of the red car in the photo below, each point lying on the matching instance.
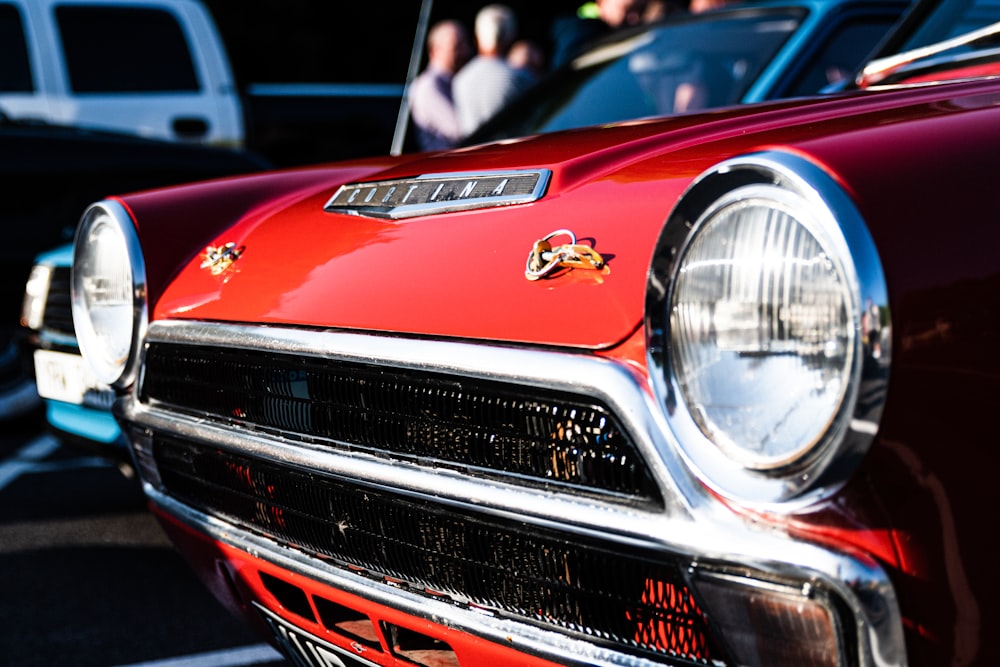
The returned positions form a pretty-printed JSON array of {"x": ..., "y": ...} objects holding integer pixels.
[{"x": 714, "y": 390}]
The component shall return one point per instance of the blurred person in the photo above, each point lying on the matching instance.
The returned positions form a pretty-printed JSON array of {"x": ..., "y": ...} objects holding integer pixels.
[
  {"x": 432, "y": 105},
  {"x": 528, "y": 57},
  {"x": 659, "y": 9},
  {"x": 699, "y": 6},
  {"x": 695, "y": 93},
  {"x": 571, "y": 34},
  {"x": 655, "y": 10},
  {"x": 488, "y": 82},
  {"x": 621, "y": 13}
]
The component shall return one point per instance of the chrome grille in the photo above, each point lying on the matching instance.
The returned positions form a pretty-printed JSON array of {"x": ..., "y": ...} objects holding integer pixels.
[
  {"x": 633, "y": 601},
  {"x": 526, "y": 435}
]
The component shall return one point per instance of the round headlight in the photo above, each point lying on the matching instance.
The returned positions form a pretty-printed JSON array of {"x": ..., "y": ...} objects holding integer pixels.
[
  {"x": 760, "y": 335},
  {"x": 756, "y": 308},
  {"x": 108, "y": 292}
]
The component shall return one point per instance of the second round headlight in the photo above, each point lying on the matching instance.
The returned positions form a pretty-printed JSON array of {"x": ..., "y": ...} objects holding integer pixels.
[{"x": 108, "y": 291}]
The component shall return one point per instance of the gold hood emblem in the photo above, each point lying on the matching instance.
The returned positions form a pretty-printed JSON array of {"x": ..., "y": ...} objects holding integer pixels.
[{"x": 219, "y": 258}]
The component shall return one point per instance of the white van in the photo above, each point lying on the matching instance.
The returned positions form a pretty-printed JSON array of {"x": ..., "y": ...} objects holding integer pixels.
[{"x": 156, "y": 68}]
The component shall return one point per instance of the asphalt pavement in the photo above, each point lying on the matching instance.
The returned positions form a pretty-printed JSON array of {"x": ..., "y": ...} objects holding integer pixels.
[{"x": 87, "y": 576}]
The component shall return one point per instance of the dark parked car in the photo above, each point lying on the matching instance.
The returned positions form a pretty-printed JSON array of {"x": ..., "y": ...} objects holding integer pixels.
[
  {"x": 716, "y": 389},
  {"x": 56, "y": 171},
  {"x": 50, "y": 174}
]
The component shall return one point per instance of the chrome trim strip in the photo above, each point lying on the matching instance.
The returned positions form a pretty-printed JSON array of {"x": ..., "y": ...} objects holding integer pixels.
[
  {"x": 876, "y": 71},
  {"x": 692, "y": 520},
  {"x": 429, "y": 194}
]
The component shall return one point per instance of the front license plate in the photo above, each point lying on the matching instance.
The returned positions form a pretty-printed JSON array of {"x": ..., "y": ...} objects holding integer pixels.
[
  {"x": 67, "y": 377},
  {"x": 307, "y": 650}
]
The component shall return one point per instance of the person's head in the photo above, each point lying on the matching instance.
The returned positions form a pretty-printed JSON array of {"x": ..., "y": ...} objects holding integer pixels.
[
  {"x": 496, "y": 29},
  {"x": 620, "y": 13},
  {"x": 448, "y": 46}
]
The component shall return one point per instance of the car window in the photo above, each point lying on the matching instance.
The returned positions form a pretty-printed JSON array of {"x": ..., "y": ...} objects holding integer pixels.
[
  {"x": 682, "y": 65},
  {"x": 15, "y": 70},
  {"x": 845, "y": 48},
  {"x": 124, "y": 50}
]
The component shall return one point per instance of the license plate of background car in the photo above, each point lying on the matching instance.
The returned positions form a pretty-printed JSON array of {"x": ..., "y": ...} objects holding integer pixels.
[
  {"x": 65, "y": 377},
  {"x": 307, "y": 650}
]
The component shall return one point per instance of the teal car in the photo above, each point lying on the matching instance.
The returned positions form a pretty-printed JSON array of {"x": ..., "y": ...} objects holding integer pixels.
[
  {"x": 749, "y": 52},
  {"x": 56, "y": 171},
  {"x": 77, "y": 405}
]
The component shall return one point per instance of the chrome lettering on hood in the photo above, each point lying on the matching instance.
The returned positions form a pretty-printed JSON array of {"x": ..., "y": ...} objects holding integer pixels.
[{"x": 438, "y": 193}]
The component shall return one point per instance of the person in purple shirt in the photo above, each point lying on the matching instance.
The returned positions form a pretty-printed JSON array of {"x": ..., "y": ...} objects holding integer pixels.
[
  {"x": 432, "y": 107},
  {"x": 487, "y": 83}
]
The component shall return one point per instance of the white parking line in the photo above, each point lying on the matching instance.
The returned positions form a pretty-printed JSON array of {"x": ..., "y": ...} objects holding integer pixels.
[
  {"x": 26, "y": 459},
  {"x": 234, "y": 657}
]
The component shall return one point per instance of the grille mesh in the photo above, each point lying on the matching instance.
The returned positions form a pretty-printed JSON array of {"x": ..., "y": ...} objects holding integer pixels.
[
  {"x": 58, "y": 315},
  {"x": 630, "y": 601},
  {"x": 526, "y": 435}
]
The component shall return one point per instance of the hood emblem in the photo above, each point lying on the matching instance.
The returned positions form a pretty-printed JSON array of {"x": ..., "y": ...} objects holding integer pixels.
[
  {"x": 403, "y": 198},
  {"x": 219, "y": 258},
  {"x": 545, "y": 258}
]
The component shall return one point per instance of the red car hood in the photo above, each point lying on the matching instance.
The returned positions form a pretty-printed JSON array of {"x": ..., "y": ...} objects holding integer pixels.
[
  {"x": 456, "y": 274},
  {"x": 461, "y": 274}
]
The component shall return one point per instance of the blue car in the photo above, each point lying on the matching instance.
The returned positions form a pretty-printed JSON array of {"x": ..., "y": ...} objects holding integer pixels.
[{"x": 77, "y": 406}]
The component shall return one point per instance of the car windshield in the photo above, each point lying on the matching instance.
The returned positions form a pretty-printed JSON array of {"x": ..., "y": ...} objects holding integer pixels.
[{"x": 687, "y": 64}]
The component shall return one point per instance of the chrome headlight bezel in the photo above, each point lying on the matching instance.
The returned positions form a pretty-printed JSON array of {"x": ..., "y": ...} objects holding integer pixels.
[
  {"x": 822, "y": 464},
  {"x": 116, "y": 365}
]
